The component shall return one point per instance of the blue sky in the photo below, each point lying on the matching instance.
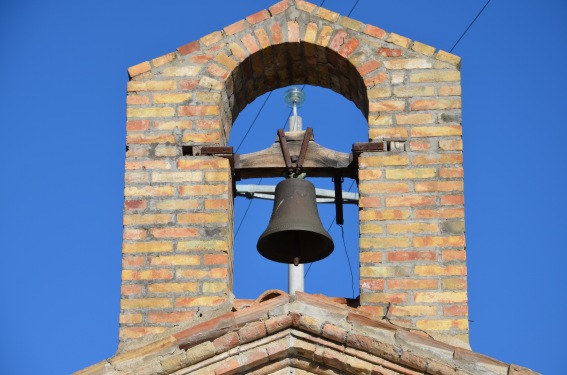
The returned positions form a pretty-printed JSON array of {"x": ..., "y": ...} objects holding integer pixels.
[{"x": 62, "y": 106}]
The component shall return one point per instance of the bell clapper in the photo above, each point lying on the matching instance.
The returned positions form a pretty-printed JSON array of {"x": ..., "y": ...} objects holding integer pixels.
[{"x": 296, "y": 261}]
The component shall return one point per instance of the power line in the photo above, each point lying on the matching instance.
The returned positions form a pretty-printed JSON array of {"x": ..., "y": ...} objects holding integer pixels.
[
  {"x": 254, "y": 121},
  {"x": 354, "y": 6},
  {"x": 472, "y": 23}
]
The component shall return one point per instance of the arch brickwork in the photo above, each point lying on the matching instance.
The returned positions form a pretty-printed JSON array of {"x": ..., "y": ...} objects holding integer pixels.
[{"x": 178, "y": 219}]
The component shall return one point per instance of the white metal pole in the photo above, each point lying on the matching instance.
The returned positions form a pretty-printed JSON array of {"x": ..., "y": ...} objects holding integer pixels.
[{"x": 295, "y": 279}]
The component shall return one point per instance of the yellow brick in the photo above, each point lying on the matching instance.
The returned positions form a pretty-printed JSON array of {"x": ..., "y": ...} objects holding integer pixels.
[
  {"x": 176, "y": 204},
  {"x": 451, "y": 145},
  {"x": 131, "y": 318},
  {"x": 147, "y": 219},
  {"x": 200, "y": 190},
  {"x": 310, "y": 33},
  {"x": 325, "y": 36},
  {"x": 414, "y": 119},
  {"x": 206, "y": 245},
  {"x": 384, "y": 215},
  {"x": 210, "y": 83},
  {"x": 383, "y": 242},
  {"x": 381, "y": 271},
  {"x": 439, "y": 241},
  {"x": 437, "y": 159},
  {"x": 214, "y": 287},
  {"x": 172, "y": 287},
  {"x": 371, "y": 229},
  {"x": 436, "y": 76},
  {"x": 159, "y": 61},
  {"x": 175, "y": 260},
  {"x": 399, "y": 40},
  {"x": 381, "y": 120},
  {"x": 216, "y": 176},
  {"x": 201, "y": 137},
  {"x": 436, "y": 270},
  {"x": 167, "y": 151},
  {"x": 440, "y": 297},
  {"x": 449, "y": 91},
  {"x": 349, "y": 23},
  {"x": 145, "y": 303},
  {"x": 423, "y": 48},
  {"x": 431, "y": 104},
  {"x": 442, "y": 325},
  {"x": 438, "y": 186},
  {"x": 380, "y": 92},
  {"x": 327, "y": 14},
  {"x": 367, "y": 174},
  {"x": 388, "y": 105},
  {"x": 171, "y": 125},
  {"x": 147, "y": 247},
  {"x": 171, "y": 98},
  {"x": 202, "y": 218},
  {"x": 208, "y": 97},
  {"x": 182, "y": 71},
  {"x": 448, "y": 57},
  {"x": 148, "y": 191},
  {"x": 139, "y": 69},
  {"x": 383, "y": 187},
  {"x": 412, "y": 228},
  {"x": 454, "y": 284},
  {"x": 388, "y": 132},
  {"x": 151, "y": 85},
  {"x": 186, "y": 176},
  {"x": 150, "y": 112},
  {"x": 402, "y": 174},
  {"x": 414, "y": 311},
  {"x": 408, "y": 64},
  {"x": 383, "y": 160},
  {"x": 412, "y": 91}
]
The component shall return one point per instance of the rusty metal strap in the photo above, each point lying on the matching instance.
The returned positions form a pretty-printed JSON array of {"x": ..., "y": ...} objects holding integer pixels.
[
  {"x": 303, "y": 151},
  {"x": 285, "y": 150}
]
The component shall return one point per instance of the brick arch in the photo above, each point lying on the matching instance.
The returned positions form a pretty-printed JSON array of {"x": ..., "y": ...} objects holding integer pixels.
[
  {"x": 287, "y": 64},
  {"x": 178, "y": 216}
]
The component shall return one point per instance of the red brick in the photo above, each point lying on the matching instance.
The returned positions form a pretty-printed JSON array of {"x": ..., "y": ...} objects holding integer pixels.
[
  {"x": 250, "y": 43},
  {"x": 137, "y": 99},
  {"x": 348, "y": 48},
  {"x": 189, "y": 48},
  {"x": 374, "y": 31},
  {"x": 407, "y": 256},
  {"x": 292, "y": 31},
  {"x": 389, "y": 52},
  {"x": 459, "y": 310},
  {"x": 137, "y": 125},
  {"x": 434, "y": 186},
  {"x": 277, "y": 36},
  {"x": 279, "y": 7},
  {"x": 258, "y": 17},
  {"x": 188, "y": 84},
  {"x": 407, "y": 284},
  {"x": 135, "y": 205},
  {"x": 447, "y": 213},
  {"x": 226, "y": 342},
  {"x": 235, "y": 27},
  {"x": 453, "y": 200},
  {"x": 252, "y": 331},
  {"x": 375, "y": 80},
  {"x": 368, "y": 67},
  {"x": 174, "y": 232},
  {"x": 198, "y": 110},
  {"x": 215, "y": 259},
  {"x": 338, "y": 40},
  {"x": 372, "y": 284}
]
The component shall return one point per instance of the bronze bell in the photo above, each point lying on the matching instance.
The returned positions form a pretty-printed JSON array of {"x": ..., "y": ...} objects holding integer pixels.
[{"x": 295, "y": 233}]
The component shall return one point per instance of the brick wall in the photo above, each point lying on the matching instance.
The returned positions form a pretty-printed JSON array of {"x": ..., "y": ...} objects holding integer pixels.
[{"x": 178, "y": 222}]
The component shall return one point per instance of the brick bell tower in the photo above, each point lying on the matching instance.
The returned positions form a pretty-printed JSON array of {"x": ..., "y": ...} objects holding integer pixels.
[{"x": 178, "y": 212}]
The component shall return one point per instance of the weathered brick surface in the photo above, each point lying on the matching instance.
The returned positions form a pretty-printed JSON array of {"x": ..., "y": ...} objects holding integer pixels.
[{"x": 178, "y": 246}]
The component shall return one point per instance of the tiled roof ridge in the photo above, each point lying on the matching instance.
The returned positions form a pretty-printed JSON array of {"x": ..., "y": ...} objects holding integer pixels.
[
  {"x": 305, "y": 321},
  {"x": 211, "y": 40}
]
